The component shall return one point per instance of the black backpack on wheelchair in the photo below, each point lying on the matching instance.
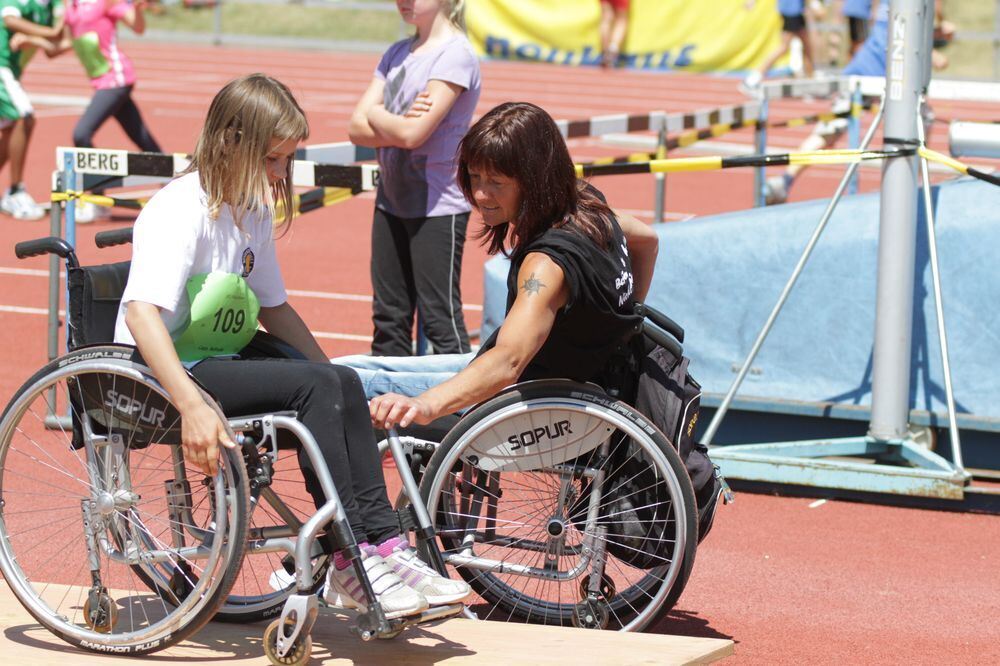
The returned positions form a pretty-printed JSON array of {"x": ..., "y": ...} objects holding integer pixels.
[{"x": 655, "y": 369}]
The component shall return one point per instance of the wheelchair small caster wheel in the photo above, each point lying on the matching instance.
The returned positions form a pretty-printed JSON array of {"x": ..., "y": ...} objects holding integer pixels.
[
  {"x": 591, "y": 614},
  {"x": 298, "y": 655},
  {"x": 608, "y": 589},
  {"x": 100, "y": 611},
  {"x": 389, "y": 635}
]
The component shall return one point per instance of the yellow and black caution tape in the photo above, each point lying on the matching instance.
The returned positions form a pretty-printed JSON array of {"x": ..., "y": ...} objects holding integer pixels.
[
  {"x": 690, "y": 137},
  {"x": 934, "y": 156},
  {"x": 717, "y": 162},
  {"x": 303, "y": 203},
  {"x": 98, "y": 199}
]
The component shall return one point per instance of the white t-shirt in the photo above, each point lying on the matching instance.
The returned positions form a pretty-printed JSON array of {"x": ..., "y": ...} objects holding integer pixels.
[{"x": 175, "y": 239}]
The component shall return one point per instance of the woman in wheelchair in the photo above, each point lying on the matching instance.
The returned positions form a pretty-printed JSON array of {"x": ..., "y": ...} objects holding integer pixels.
[
  {"x": 204, "y": 273},
  {"x": 577, "y": 269}
]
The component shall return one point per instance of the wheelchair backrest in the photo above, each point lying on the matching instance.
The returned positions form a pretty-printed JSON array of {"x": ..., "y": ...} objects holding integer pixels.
[{"x": 95, "y": 294}]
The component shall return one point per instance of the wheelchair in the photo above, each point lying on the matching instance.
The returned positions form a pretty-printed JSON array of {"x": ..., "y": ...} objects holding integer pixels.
[{"x": 116, "y": 545}]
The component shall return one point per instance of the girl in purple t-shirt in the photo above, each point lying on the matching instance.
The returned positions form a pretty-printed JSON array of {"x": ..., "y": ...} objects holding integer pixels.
[
  {"x": 90, "y": 31},
  {"x": 417, "y": 108}
]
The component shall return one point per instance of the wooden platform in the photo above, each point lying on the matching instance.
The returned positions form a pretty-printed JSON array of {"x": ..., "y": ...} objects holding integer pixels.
[{"x": 455, "y": 641}]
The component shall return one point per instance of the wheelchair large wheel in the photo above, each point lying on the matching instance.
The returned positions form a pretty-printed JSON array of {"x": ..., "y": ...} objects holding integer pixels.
[
  {"x": 560, "y": 505},
  {"x": 107, "y": 537},
  {"x": 277, "y": 512}
]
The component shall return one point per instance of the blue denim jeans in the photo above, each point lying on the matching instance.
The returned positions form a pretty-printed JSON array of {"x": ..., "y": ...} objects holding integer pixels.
[{"x": 406, "y": 375}]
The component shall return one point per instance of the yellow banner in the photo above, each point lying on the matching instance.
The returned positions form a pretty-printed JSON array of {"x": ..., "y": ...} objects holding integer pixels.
[{"x": 688, "y": 35}]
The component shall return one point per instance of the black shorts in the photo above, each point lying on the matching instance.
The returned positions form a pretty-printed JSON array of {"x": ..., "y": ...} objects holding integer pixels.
[
  {"x": 795, "y": 23},
  {"x": 858, "y": 28}
]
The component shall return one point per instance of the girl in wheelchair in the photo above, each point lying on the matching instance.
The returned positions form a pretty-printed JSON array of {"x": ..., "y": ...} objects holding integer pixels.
[
  {"x": 577, "y": 269},
  {"x": 204, "y": 273}
]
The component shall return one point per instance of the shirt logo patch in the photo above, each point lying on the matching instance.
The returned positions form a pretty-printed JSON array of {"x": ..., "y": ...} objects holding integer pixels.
[{"x": 247, "y": 262}]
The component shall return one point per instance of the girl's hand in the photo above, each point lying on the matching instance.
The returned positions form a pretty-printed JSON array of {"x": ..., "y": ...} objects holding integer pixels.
[
  {"x": 18, "y": 40},
  {"x": 391, "y": 409},
  {"x": 421, "y": 105},
  {"x": 201, "y": 434}
]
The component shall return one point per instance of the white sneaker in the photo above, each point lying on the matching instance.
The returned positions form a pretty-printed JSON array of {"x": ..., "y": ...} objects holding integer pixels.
[
  {"x": 423, "y": 578},
  {"x": 21, "y": 206},
  {"x": 280, "y": 580},
  {"x": 343, "y": 589},
  {"x": 775, "y": 191},
  {"x": 87, "y": 212}
]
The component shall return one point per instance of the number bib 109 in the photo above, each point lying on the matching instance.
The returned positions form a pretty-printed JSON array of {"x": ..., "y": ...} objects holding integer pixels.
[{"x": 223, "y": 319}]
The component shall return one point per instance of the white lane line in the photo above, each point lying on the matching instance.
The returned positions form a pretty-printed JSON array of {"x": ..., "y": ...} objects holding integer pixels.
[
  {"x": 342, "y": 336},
  {"x": 33, "y": 272},
  {"x": 817, "y": 503},
  {"x": 301, "y": 293},
  {"x": 358, "y": 298},
  {"x": 16, "y": 309}
]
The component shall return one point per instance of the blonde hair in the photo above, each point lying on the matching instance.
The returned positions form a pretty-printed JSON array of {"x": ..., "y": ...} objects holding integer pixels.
[
  {"x": 230, "y": 154},
  {"x": 456, "y": 13}
]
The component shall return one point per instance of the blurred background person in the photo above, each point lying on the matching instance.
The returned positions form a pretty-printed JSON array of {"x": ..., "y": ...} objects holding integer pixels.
[
  {"x": 91, "y": 31},
  {"x": 858, "y": 13},
  {"x": 793, "y": 24},
  {"x": 26, "y": 26},
  {"x": 614, "y": 26}
]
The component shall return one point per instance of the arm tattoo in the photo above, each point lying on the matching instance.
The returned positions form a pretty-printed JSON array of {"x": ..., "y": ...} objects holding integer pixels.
[{"x": 532, "y": 285}]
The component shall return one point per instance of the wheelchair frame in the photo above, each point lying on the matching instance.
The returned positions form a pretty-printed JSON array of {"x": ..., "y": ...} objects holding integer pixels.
[{"x": 287, "y": 638}]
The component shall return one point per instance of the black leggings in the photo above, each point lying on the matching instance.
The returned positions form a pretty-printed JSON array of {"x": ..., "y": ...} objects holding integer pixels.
[
  {"x": 417, "y": 265},
  {"x": 330, "y": 402},
  {"x": 115, "y": 102}
]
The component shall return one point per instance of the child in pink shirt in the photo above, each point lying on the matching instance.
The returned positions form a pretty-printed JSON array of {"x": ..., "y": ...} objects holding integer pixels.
[{"x": 91, "y": 32}]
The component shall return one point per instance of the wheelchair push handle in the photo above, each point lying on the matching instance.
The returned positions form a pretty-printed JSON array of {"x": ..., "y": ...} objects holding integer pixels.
[
  {"x": 113, "y": 237},
  {"x": 663, "y": 340},
  {"x": 661, "y": 320},
  {"x": 47, "y": 245}
]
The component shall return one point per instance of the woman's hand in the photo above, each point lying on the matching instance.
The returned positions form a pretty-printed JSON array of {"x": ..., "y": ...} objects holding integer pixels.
[
  {"x": 421, "y": 105},
  {"x": 391, "y": 409},
  {"x": 201, "y": 434},
  {"x": 18, "y": 40}
]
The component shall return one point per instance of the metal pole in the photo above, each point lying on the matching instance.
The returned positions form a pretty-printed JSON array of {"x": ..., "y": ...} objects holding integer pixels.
[
  {"x": 720, "y": 413},
  {"x": 55, "y": 229},
  {"x": 956, "y": 445},
  {"x": 69, "y": 182},
  {"x": 760, "y": 145},
  {"x": 854, "y": 130},
  {"x": 660, "y": 179},
  {"x": 908, "y": 49}
]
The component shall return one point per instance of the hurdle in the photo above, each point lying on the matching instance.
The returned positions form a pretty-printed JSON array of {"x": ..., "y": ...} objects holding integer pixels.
[{"x": 664, "y": 124}]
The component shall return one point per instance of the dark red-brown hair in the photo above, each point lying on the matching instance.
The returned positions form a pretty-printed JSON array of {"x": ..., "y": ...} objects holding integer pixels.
[{"x": 521, "y": 141}]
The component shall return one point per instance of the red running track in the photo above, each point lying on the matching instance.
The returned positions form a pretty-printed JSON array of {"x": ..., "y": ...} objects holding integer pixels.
[{"x": 790, "y": 581}]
